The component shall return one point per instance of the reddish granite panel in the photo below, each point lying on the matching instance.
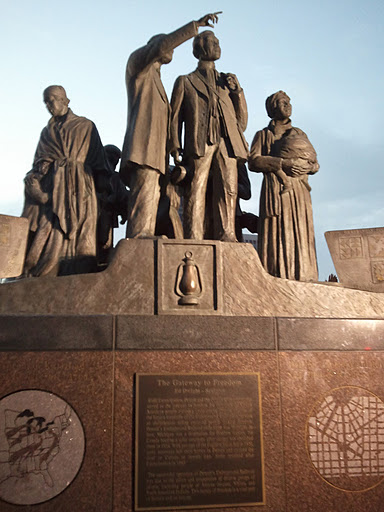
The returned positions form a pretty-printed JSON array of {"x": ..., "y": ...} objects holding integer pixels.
[
  {"x": 333, "y": 424},
  {"x": 84, "y": 381},
  {"x": 129, "y": 363}
]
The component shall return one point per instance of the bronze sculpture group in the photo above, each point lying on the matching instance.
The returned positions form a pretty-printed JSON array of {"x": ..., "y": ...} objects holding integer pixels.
[{"x": 73, "y": 194}]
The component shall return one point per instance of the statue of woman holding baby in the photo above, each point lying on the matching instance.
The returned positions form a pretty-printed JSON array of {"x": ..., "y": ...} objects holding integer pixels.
[{"x": 285, "y": 156}]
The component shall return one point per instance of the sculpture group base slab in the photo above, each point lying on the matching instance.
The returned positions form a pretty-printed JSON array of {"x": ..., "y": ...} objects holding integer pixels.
[
  {"x": 144, "y": 278},
  {"x": 317, "y": 351}
]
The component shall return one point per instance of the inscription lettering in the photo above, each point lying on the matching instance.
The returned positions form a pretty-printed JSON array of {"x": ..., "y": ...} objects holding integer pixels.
[
  {"x": 199, "y": 441},
  {"x": 180, "y": 430}
]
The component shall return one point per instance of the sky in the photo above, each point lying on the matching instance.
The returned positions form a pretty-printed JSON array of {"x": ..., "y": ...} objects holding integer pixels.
[{"x": 327, "y": 56}]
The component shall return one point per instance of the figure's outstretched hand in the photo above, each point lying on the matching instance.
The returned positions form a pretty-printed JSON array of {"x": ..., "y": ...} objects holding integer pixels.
[
  {"x": 29, "y": 180},
  {"x": 204, "y": 21}
]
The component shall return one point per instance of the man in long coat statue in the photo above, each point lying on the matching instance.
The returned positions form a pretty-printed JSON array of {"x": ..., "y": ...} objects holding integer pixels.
[
  {"x": 60, "y": 192},
  {"x": 144, "y": 157}
]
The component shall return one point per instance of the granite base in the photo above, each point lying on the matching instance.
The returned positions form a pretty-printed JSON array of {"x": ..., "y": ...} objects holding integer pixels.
[{"x": 317, "y": 377}]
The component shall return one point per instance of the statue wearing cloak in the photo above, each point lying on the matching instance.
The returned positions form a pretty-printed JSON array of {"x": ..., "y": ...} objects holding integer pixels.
[{"x": 61, "y": 200}]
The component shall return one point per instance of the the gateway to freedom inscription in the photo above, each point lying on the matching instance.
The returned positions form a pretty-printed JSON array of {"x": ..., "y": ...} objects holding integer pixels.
[{"x": 198, "y": 441}]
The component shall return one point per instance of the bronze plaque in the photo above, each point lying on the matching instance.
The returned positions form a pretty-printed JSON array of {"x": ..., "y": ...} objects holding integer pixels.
[
  {"x": 198, "y": 441},
  {"x": 205, "y": 264}
]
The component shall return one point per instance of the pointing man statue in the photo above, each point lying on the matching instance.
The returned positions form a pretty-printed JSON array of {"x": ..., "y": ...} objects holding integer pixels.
[
  {"x": 213, "y": 110},
  {"x": 144, "y": 155}
]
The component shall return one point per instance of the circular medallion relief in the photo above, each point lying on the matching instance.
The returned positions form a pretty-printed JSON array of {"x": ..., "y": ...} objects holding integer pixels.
[
  {"x": 42, "y": 446},
  {"x": 345, "y": 438}
]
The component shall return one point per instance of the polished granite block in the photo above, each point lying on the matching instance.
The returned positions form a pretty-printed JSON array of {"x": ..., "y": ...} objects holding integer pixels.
[
  {"x": 330, "y": 334},
  {"x": 84, "y": 382},
  {"x": 195, "y": 333},
  {"x": 333, "y": 425},
  {"x": 129, "y": 363},
  {"x": 44, "y": 332}
]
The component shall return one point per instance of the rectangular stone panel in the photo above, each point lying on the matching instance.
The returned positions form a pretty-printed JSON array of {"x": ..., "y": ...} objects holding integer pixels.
[
  {"x": 195, "y": 333},
  {"x": 198, "y": 441},
  {"x": 330, "y": 334},
  {"x": 333, "y": 423},
  {"x": 40, "y": 455},
  {"x": 70, "y": 332},
  {"x": 13, "y": 243},
  {"x": 358, "y": 256},
  {"x": 128, "y": 363}
]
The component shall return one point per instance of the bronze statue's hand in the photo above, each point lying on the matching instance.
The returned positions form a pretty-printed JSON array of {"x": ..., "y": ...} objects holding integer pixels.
[
  {"x": 29, "y": 180},
  {"x": 296, "y": 166},
  {"x": 300, "y": 167},
  {"x": 204, "y": 21},
  {"x": 233, "y": 82},
  {"x": 33, "y": 189},
  {"x": 315, "y": 168},
  {"x": 176, "y": 156}
]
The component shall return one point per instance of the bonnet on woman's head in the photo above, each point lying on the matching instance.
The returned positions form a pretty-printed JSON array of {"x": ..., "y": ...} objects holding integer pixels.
[{"x": 271, "y": 102}]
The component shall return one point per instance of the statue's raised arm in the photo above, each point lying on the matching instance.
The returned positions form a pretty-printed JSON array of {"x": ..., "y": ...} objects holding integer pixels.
[{"x": 144, "y": 156}]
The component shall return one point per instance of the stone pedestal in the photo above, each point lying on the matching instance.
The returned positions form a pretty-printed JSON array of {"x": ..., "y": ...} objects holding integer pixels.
[{"x": 320, "y": 375}]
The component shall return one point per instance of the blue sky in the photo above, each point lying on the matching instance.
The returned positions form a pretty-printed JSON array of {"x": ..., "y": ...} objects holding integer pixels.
[{"x": 327, "y": 56}]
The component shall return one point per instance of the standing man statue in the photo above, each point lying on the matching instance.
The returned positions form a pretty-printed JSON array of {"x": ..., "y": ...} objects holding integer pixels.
[
  {"x": 144, "y": 155},
  {"x": 60, "y": 192},
  {"x": 213, "y": 110}
]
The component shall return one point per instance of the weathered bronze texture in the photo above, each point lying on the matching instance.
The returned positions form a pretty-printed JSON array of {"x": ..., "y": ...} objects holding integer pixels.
[
  {"x": 168, "y": 222},
  {"x": 144, "y": 156},
  {"x": 211, "y": 108},
  {"x": 198, "y": 441},
  {"x": 110, "y": 207},
  {"x": 60, "y": 192},
  {"x": 286, "y": 157}
]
